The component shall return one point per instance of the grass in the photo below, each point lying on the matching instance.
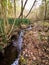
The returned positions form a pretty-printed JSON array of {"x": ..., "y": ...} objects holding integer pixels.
[{"x": 18, "y": 21}]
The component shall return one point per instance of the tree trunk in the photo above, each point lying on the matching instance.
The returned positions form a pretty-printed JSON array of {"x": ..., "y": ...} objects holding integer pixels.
[
  {"x": 21, "y": 8},
  {"x": 0, "y": 8},
  {"x": 30, "y": 9},
  {"x": 14, "y": 8},
  {"x": 45, "y": 10},
  {"x": 9, "y": 34}
]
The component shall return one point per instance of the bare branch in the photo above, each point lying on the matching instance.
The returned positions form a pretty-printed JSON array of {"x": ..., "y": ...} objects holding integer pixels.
[
  {"x": 23, "y": 8},
  {"x": 25, "y": 3},
  {"x": 30, "y": 9}
]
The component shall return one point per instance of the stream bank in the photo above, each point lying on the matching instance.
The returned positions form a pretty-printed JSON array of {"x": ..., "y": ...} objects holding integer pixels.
[
  {"x": 13, "y": 51},
  {"x": 35, "y": 48}
]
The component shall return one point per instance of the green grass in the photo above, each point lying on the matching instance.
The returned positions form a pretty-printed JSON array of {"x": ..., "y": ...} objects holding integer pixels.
[{"x": 18, "y": 21}]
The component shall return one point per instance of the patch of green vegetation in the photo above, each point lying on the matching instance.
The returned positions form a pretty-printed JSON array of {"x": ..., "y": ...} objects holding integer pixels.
[
  {"x": 18, "y": 21},
  {"x": 11, "y": 20}
]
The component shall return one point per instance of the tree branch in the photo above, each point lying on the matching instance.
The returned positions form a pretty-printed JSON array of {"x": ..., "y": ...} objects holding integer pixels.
[
  {"x": 23, "y": 8},
  {"x": 30, "y": 9}
]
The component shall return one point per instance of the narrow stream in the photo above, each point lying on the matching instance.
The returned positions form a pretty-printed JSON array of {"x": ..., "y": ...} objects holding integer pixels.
[{"x": 18, "y": 45}]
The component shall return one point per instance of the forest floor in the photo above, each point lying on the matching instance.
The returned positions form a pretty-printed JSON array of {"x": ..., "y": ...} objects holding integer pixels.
[{"x": 35, "y": 49}]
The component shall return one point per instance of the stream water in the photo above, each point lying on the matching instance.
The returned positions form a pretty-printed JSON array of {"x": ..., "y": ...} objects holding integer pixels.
[{"x": 18, "y": 45}]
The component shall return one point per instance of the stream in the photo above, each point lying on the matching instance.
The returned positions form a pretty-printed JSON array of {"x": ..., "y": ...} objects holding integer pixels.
[{"x": 18, "y": 45}]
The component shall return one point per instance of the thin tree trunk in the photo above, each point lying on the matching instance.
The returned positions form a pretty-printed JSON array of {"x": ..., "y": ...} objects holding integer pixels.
[
  {"x": 30, "y": 9},
  {"x": 23, "y": 8},
  {"x": 15, "y": 8},
  {"x": 45, "y": 10},
  {"x": 25, "y": 4},
  {"x": 14, "y": 20},
  {"x": 6, "y": 23},
  {"x": 0, "y": 10}
]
